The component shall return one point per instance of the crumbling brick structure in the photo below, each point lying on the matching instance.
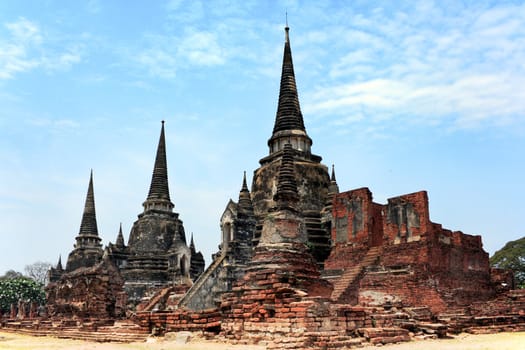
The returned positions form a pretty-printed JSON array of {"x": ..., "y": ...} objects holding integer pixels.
[
  {"x": 88, "y": 293},
  {"x": 393, "y": 253},
  {"x": 282, "y": 274}
]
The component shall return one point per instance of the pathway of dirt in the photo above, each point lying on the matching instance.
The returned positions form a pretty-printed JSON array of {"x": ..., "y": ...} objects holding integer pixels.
[{"x": 500, "y": 341}]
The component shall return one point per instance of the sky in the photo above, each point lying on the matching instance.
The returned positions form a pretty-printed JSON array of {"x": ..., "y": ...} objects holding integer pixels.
[{"x": 401, "y": 96}]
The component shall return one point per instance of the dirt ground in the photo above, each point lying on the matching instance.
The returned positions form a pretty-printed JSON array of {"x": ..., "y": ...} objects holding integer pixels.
[{"x": 501, "y": 341}]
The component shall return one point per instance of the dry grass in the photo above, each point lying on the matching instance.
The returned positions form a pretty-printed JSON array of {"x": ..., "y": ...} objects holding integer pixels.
[{"x": 500, "y": 341}]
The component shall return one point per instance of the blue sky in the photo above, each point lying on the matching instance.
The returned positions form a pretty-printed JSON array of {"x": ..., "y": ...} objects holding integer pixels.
[{"x": 400, "y": 96}]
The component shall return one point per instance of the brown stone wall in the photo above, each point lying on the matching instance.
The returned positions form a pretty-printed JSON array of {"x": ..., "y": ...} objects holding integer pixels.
[
  {"x": 357, "y": 224},
  {"x": 406, "y": 218},
  {"x": 180, "y": 320},
  {"x": 344, "y": 257},
  {"x": 502, "y": 279},
  {"x": 420, "y": 262},
  {"x": 88, "y": 293}
]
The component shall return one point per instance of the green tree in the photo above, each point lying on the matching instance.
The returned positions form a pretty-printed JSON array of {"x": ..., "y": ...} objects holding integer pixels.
[
  {"x": 19, "y": 288},
  {"x": 512, "y": 257}
]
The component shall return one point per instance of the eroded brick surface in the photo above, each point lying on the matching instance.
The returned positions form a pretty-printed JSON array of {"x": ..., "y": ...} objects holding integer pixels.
[{"x": 419, "y": 263}]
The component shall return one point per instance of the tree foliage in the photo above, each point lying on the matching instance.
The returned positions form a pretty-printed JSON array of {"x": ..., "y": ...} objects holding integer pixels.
[
  {"x": 512, "y": 257},
  {"x": 19, "y": 288},
  {"x": 38, "y": 271}
]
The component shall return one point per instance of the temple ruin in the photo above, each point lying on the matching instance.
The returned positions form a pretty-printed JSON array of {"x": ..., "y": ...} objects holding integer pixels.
[
  {"x": 300, "y": 265},
  {"x": 157, "y": 255}
]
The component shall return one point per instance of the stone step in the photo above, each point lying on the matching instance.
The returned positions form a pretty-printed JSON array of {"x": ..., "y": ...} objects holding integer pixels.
[
  {"x": 348, "y": 276},
  {"x": 109, "y": 335},
  {"x": 518, "y": 327}
]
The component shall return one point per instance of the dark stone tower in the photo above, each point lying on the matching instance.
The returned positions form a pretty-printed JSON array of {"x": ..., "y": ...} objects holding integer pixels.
[
  {"x": 311, "y": 176},
  {"x": 158, "y": 252},
  {"x": 240, "y": 243},
  {"x": 197, "y": 261},
  {"x": 87, "y": 250},
  {"x": 54, "y": 273},
  {"x": 118, "y": 252},
  {"x": 282, "y": 271},
  {"x": 326, "y": 213},
  {"x": 229, "y": 264}
]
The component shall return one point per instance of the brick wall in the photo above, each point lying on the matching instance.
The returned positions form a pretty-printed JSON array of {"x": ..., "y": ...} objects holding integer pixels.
[{"x": 421, "y": 263}]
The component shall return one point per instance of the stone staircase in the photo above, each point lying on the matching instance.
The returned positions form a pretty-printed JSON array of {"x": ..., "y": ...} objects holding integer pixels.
[
  {"x": 123, "y": 331},
  {"x": 350, "y": 275},
  {"x": 506, "y": 313},
  {"x": 201, "y": 280}
]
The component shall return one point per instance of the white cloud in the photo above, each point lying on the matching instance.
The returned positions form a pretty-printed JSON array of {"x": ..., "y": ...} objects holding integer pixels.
[
  {"x": 54, "y": 124},
  {"x": 464, "y": 68},
  {"x": 15, "y": 51},
  {"x": 158, "y": 62},
  {"x": 24, "y": 31},
  {"x": 26, "y": 48},
  {"x": 185, "y": 12},
  {"x": 202, "y": 48},
  {"x": 165, "y": 55}
]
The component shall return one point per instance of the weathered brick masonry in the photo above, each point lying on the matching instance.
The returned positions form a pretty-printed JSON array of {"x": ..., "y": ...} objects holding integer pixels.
[
  {"x": 415, "y": 262},
  {"x": 300, "y": 265}
]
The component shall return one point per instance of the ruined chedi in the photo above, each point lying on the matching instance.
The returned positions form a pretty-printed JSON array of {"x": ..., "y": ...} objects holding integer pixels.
[
  {"x": 312, "y": 177},
  {"x": 158, "y": 252}
]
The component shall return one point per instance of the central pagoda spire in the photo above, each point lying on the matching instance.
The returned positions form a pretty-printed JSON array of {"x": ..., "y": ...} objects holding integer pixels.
[
  {"x": 159, "y": 193},
  {"x": 289, "y": 123},
  {"x": 289, "y": 116}
]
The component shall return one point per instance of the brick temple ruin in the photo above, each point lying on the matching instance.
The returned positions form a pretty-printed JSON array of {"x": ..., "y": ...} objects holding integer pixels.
[{"x": 300, "y": 264}]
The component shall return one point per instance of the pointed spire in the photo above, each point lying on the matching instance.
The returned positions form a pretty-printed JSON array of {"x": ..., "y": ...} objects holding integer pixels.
[
  {"x": 120, "y": 238},
  {"x": 333, "y": 188},
  {"x": 289, "y": 116},
  {"x": 88, "y": 226},
  {"x": 244, "y": 187},
  {"x": 159, "y": 181},
  {"x": 159, "y": 192},
  {"x": 286, "y": 186},
  {"x": 59, "y": 264},
  {"x": 192, "y": 243},
  {"x": 245, "y": 201},
  {"x": 289, "y": 124}
]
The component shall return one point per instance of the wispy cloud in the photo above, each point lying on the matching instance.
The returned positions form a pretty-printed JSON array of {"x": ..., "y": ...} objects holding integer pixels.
[
  {"x": 23, "y": 36},
  {"x": 199, "y": 34},
  {"x": 159, "y": 62},
  {"x": 463, "y": 68},
  {"x": 164, "y": 55},
  {"x": 25, "y": 48},
  {"x": 202, "y": 48}
]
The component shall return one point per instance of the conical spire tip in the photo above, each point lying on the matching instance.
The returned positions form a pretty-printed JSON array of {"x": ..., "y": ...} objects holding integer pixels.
[{"x": 244, "y": 184}]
